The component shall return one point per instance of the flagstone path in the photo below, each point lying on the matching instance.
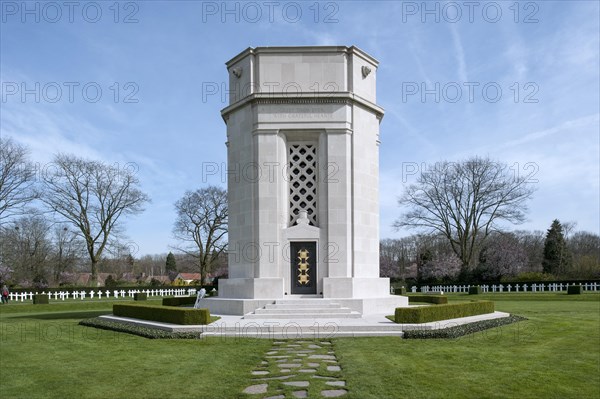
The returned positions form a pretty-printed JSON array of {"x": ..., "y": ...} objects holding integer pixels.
[{"x": 298, "y": 369}]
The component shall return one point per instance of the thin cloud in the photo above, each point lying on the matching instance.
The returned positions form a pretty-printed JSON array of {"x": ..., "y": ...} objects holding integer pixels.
[
  {"x": 459, "y": 54},
  {"x": 47, "y": 133},
  {"x": 570, "y": 125}
]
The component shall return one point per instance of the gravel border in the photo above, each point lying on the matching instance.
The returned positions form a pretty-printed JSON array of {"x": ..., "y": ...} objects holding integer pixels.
[{"x": 464, "y": 329}]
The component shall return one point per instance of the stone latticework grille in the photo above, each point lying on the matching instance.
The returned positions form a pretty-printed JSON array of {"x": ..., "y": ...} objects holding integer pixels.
[{"x": 302, "y": 175}]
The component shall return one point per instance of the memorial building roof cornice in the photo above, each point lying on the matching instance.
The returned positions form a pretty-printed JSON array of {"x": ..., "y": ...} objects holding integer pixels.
[{"x": 304, "y": 98}]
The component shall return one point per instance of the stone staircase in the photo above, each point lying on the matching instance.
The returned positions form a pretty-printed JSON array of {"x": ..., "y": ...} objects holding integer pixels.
[{"x": 305, "y": 308}]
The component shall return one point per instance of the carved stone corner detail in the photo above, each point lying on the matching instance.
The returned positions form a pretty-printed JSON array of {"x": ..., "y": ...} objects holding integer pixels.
[
  {"x": 237, "y": 72},
  {"x": 365, "y": 71}
]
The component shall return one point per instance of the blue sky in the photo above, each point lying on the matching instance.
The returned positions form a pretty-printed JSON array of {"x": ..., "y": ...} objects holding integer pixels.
[{"x": 128, "y": 85}]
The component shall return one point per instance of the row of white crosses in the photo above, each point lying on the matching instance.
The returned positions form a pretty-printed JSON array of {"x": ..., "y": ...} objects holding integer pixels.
[
  {"x": 551, "y": 287},
  {"x": 99, "y": 294}
]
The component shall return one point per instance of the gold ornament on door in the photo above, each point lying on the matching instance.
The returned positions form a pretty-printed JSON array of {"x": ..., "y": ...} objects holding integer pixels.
[{"x": 303, "y": 267}]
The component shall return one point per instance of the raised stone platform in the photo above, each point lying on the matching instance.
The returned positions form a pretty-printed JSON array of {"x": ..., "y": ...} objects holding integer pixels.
[{"x": 366, "y": 326}]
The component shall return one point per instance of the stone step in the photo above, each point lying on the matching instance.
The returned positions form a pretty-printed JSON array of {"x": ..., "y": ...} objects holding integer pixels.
[
  {"x": 307, "y": 335},
  {"x": 305, "y": 308},
  {"x": 288, "y": 310},
  {"x": 309, "y": 315},
  {"x": 289, "y": 331},
  {"x": 285, "y": 305},
  {"x": 314, "y": 301},
  {"x": 322, "y": 328}
]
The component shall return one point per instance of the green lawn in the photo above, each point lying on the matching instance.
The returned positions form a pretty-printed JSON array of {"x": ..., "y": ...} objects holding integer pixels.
[
  {"x": 556, "y": 353},
  {"x": 44, "y": 353}
]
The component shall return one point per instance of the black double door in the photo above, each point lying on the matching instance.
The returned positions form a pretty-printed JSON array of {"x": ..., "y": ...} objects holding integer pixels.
[{"x": 303, "y": 267}]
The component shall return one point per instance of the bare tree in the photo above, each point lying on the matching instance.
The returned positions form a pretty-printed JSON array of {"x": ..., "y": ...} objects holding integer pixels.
[
  {"x": 152, "y": 265},
  {"x": 442, "y": 266},
  {"x": 93, "y": 196},
  {"x": 568, "y": 228},
  {"x": 533, "y": 245},
  {"x": 37, "y": 250},
  {"x": 202, "y": 225},
  {"x": 6, "y": 274},
  {"x": 396, "y": 256},
  {"x": 464, "y": 202},
  {"x": 435, "y": 259},
  {"x": 17, "y": 179},
  {"x": 585, "y": 247},
  {"x": 68, "y": 249},
  {"x": 27, "y": 248},
  {"x": 502, "y": 256}
]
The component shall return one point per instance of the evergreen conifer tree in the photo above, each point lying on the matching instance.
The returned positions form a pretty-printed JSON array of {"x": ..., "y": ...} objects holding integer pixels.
[
  {"x": 171, "y": 264},
  {"x": 557, "y": 258}
]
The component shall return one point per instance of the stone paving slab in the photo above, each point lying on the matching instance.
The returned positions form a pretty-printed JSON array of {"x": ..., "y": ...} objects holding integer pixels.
[
  {"x": 297, "y": 383},
  {"x": 282, "y": 377},
  {"x": 317, "y": 374},
  {"x": 333, "y": 393},
  {"x": 256, "y": 389}
]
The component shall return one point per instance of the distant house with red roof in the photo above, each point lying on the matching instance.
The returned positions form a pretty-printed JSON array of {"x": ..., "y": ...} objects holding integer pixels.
[{"x": 187, "y": 278}]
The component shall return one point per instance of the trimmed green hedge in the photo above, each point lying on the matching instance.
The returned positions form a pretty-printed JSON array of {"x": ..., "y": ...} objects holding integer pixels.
[
  {"x": 145, "y": 332},
  {"x": 179, "y": 301},
  {"x": 140, "y": 296},
  {"x": 185, "y": 316},
  {"x": 437, "y": 299},
  {"x": 474, "y": 290},
  {"x": 40, "y": 299},
  {"x": 575, "y": 290},
  {"x": 426, "y": 314}
]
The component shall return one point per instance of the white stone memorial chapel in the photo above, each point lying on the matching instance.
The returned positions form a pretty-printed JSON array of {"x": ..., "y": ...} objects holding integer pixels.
[{"x": 303, "y": 181}]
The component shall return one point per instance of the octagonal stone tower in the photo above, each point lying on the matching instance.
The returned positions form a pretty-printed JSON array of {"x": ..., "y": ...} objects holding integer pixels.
[{"x": 303, "y": 175}]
